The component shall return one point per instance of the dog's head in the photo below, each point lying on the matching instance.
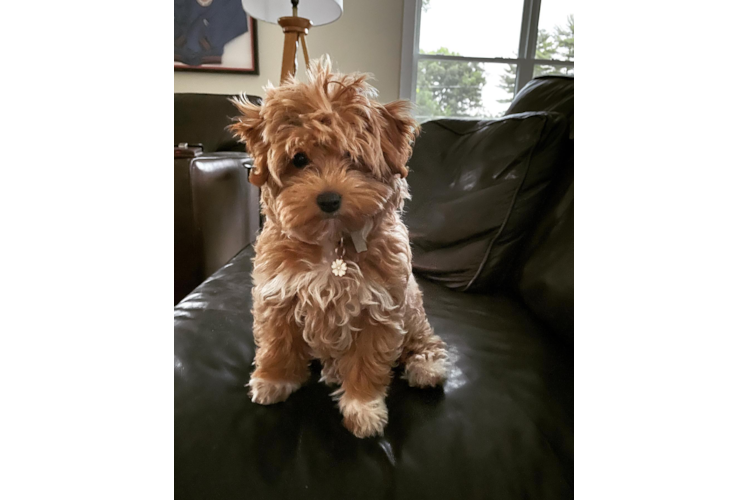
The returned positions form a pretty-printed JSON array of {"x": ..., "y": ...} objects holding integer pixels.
[{"x": 329, "y": 157}]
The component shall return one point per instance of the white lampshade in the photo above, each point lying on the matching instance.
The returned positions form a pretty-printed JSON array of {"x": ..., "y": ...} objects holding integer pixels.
[{"x": 318, "y": 11}]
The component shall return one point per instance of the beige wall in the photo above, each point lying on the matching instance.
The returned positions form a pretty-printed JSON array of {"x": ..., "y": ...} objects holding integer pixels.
[{"x": 366, "y": 38}]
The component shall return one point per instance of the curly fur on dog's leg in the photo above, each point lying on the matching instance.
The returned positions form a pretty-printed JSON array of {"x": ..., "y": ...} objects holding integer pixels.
[
  {"x": 330, "y": 375},
  {"x": 281, "y": 358},
  {"x": 366, "y": 371},
  {"x": 424, "y": 354}
]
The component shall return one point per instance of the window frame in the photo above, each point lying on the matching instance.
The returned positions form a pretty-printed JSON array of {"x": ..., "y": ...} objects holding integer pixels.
[{"x": 525, "y": 61}]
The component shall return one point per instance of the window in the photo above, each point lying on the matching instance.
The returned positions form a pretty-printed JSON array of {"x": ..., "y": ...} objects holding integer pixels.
[{"x": 470, "y": 58}]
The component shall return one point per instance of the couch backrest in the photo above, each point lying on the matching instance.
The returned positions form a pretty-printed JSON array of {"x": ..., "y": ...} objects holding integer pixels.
[
  {"x": 546, "y": 93},
  {"x": 202, "y": 118},
  {"x": 477, "y": 187},
  {"x": 544, "y": 276},
  {"x": 492, "y": 206}
]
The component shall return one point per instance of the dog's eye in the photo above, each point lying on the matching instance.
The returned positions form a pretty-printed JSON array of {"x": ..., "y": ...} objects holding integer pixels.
[{"x": 300, "y": 160}]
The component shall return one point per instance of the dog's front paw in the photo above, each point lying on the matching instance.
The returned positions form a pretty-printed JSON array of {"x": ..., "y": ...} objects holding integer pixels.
[
  {"x": 426, "y": 370},
  {"x": 267, "y": 392},
  {"x": 364, "y": 419}
]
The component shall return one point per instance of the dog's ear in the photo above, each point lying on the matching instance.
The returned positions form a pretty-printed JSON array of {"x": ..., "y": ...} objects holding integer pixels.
[
  {"x": 248, "y": 128},
  {"x": 399, "y": 131}
]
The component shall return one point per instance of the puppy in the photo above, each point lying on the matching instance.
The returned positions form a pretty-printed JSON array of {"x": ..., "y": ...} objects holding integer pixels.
[{"x": 332, "y": 273}]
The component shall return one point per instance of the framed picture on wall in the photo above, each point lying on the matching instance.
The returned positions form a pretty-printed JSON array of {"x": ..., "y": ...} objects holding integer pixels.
[{"x": 214, "y": 36}]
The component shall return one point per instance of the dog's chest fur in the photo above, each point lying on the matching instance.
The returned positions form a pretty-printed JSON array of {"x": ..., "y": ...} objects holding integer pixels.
[{"x": 330, "y": 308}]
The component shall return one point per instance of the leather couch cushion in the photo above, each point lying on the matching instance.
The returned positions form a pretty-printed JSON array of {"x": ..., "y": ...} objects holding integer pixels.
[
  {"x": 501, "y": 428},
  {"x": 476, "y": 188},
  {"x": 202, "y": 119}
]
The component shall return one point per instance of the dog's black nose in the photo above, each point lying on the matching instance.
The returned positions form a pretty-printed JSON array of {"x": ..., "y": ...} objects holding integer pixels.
[{"x": 329, "y": 202}]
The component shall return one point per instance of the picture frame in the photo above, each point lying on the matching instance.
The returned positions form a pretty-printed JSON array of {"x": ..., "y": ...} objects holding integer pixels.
[{"x": 214, "y": 36}]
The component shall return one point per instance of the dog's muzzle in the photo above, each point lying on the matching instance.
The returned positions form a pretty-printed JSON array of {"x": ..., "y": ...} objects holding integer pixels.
[{"x": 329, "y": 202}]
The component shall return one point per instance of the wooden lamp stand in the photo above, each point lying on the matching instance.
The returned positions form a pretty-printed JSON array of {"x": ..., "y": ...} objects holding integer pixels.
[{"x": 295, "y": 28}]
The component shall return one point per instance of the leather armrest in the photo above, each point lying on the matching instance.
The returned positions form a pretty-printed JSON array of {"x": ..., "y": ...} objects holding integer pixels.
[{"x": 216, "y": 214}]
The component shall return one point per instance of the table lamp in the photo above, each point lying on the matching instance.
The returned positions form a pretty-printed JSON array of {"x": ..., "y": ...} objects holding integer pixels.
[{"x": 295, "y": 17}]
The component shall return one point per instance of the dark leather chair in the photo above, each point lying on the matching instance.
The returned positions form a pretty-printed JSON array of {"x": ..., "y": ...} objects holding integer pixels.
[
  {"x": 492, "y": 229},
  {"x": 216, "y": 211}
]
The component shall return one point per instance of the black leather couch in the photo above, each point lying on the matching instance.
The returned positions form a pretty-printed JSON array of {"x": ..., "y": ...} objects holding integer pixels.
[{"x": 492, "y": 227}]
